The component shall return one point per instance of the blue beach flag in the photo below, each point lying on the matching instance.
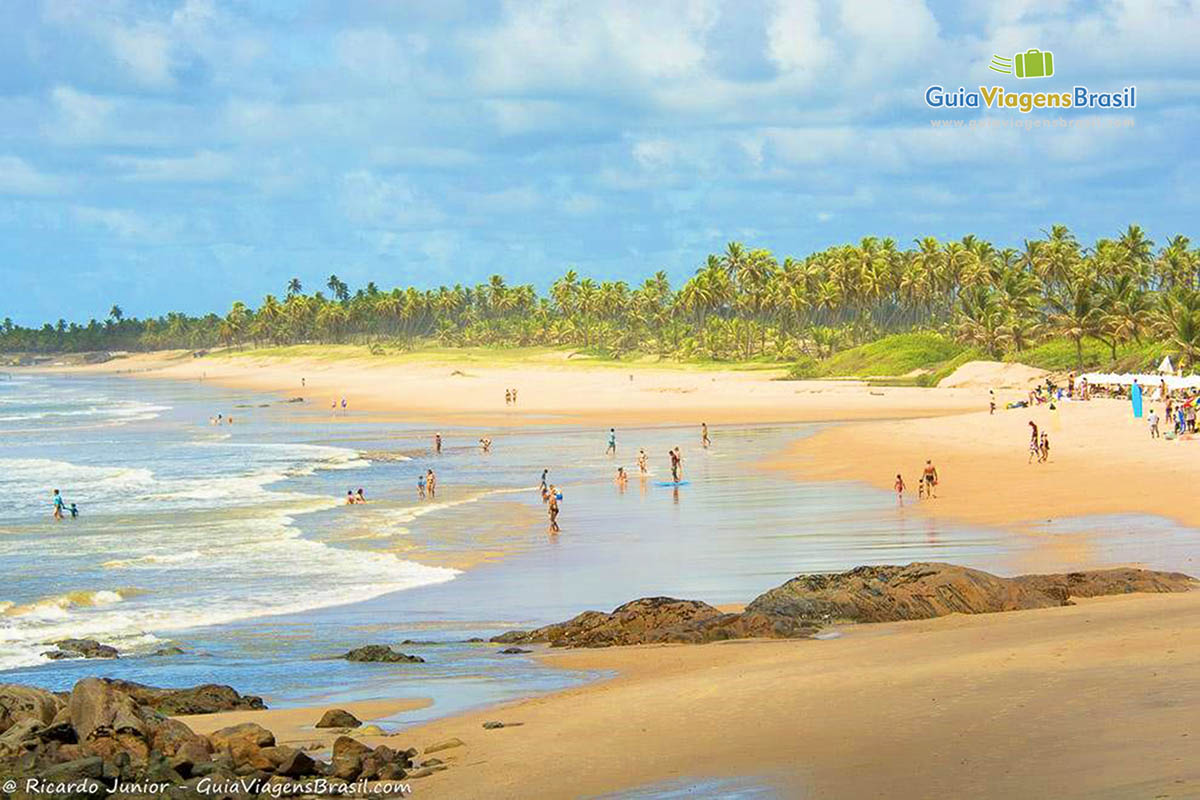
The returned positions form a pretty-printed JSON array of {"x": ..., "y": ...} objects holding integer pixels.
[{"x": 1136, "y": 397}]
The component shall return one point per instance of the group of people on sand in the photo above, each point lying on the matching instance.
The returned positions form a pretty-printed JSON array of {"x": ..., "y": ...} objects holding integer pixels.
[
  {"x": 1179, "y": 417},
  {"x": 1039, "y": 446},
  {"x": 926, "y": 486},
  {"x": 61, "y": 509},
  {"x": 510, "y": 397},
  {"x": 333, "y": 406}
]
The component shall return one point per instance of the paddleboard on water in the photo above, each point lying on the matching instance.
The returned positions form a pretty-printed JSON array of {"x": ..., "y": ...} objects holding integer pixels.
[{"x": 671, "y": 483}]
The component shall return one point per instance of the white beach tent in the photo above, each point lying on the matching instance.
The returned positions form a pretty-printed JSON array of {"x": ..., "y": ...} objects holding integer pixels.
[
  {"x": 1147, "y": 381},
  {"x": 1165, "y": 366}
]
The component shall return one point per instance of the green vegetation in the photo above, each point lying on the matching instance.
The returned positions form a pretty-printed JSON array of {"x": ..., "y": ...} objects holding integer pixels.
[{"x": 866, "y": 307}]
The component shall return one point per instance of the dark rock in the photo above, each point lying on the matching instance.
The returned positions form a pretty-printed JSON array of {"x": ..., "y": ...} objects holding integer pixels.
[
  {"x": 168, "y": 651},
  {"x": 81, "y": 648},
  {"x": 338, "y": 718},
  {"x": 493, "y": 725},
  {"x": 512, "y": 651},
  {"x": 298, "y": 765},
  {"x": 380, "y": 654},
  {"x": 108, "y": 721},
  {"x": 25, "y": 702},
  {"x": 348, "y": 755},
  {"x": 650, "y": 619},
  {"x": 209, "y": 698},
  {"x": 244, "y": 745},
  {"x": 431, "y": 762}
]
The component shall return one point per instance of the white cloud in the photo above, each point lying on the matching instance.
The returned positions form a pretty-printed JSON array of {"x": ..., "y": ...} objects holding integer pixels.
[
  {"x": 794, "y": 40},
  {"x": 131, "y": 225},
  {"x": 20, "y": 178},
  {"x": 202, "y": 167},
  {"x": 385, "y": 202},
  {"x": 145, "y": 51},
  {"x": 80, "y": 116}
]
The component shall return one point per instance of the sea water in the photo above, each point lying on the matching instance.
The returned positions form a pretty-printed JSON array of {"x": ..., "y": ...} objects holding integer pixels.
[{"x": 234, "y": 543}]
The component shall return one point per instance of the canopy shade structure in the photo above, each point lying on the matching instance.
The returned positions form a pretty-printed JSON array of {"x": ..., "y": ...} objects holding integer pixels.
[{"x": 1147, "y": 380}]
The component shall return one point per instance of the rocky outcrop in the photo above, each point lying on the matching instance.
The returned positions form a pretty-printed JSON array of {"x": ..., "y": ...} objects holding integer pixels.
[
  {"x": 800, "y": 607},
  {"x": 338, "y": 718},
  {"x": 102, "y": 733},
  {"x": 21, "y": 703},
  {"x": 81, "y": 648},
  {"x": 380, "y": 654},
  {"x": 653, "y": 620},
  {"x": 209, "y": 698}
]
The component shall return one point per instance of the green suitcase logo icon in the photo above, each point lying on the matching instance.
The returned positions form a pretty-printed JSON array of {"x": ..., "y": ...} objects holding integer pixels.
[{"x": 1034, "y": 63}]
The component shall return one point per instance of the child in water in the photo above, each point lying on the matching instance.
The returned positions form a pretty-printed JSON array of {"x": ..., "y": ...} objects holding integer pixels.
[{"x": 74, "y": 511}]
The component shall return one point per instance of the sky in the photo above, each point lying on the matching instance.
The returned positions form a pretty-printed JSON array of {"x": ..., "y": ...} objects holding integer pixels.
[{"x": 182, "y": 155}]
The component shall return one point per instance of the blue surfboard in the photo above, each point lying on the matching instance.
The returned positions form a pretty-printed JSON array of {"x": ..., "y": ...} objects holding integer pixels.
[{"x": 671, "y": 483}]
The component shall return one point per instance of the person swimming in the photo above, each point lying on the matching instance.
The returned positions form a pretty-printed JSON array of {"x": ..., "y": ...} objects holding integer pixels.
[{"x": 359, "y": 497}]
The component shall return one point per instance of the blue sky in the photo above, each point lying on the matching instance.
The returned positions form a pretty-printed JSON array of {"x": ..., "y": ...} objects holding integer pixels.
[{"x": 181, "y": 155}]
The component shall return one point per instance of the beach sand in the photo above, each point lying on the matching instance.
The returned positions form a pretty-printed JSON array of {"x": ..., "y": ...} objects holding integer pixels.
[
  {"x": 1095, "y": 700},
  {"x": 1092, "y": 700}
]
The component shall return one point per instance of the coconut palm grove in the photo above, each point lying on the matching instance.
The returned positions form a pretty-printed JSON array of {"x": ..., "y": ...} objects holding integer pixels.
[{"x": 1054, "y": 302}]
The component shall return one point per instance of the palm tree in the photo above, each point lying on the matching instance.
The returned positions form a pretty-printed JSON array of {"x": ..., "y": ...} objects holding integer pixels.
[
  {"x": 115, "y": 313},
  {"x": 294, "y": 287},
  {"x": 1075, "y": 314}
]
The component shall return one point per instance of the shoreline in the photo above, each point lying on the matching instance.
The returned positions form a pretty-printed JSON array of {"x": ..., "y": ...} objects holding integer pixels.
[{"x": 1048, "y": 689}]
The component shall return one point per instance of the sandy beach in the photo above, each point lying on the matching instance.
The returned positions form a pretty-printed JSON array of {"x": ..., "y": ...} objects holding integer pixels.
[{"x": 1092, "y": 700}]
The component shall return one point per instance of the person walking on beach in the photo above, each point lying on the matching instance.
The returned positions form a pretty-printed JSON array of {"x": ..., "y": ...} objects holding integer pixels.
[
  {"x": 930, "y": 477},
  {"x": 1034, "y": 446},
  {"x": 437, "y": 443},
  {"x": 1153, "y": 420},
  {"x": 553, "y": 509},
  {"x": 431, "y": 483},
  {"x": 508, "y": 397},
  {"x": 514, "y": 391},
  {"x": 991, "y": 401},
  {"x": 58, "y": 505},
  {"x": 545, "y": 473},
  {"x": 641, "y": 461},
  {"x": 1045, "y": 448},
  {"x": 900, "y": 487},
  {"x": 704, "y": 440},
  {"x": 612, "y": 442}
]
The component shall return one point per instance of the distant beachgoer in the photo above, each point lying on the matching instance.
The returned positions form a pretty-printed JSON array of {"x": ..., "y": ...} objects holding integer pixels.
[
  {"x": 333, "y": 407},
  {"x": 359, "y": 497},
  {"x": 58, "y": 505},
  {"x": 553, "y": 510},
  {"x": 229, "y": 419},
  {"x": 704, "y": 440},
  {"x": 641, "y": 461},
  {"x": 302, "y": 382},
  {"x": 350, "y": 497},
  {"x": 437, "y": 443},
  {"x": 678, "y": 464},
  {"x": 900, "y": 487},
  {"x": 1153, "y": 420},
  {"x": 74, "y": 511},
  {"x": 1071, "y": 384},
  {"x": 431, "y": 484},
  {"x": 508, "y": 397},
  {"x": 674, "y": 465},
  {"x": 1045, "y": 447},
  {"x": 1034, "y": 444},
  {"x": 991, "y": 401},
  {"x": 343, "y": 405},
  {"x": 930, "y": 477},
  {"x": 514, "y": 391},
  {"x": 421, "y": 486},
  {"x": 612, "y": 442},
  {"x": 622, "y": 478},
  {"x": 485, "y": 444}
]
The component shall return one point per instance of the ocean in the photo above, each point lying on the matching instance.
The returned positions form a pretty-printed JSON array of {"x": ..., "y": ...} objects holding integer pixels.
[{"x": 233, "y": 541}]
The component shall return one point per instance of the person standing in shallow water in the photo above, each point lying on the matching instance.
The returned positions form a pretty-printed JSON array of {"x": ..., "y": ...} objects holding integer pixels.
[
  {"x": 58, "y": 505},
  {"x": 900, "y": 487},
  {"x": 553, "y": 509},
  {"x": 704, "y": 440},
  {"x": 437, "y": 443},
  {"x": 612, "y": 442},
  {"x": 930, "y": 478}
]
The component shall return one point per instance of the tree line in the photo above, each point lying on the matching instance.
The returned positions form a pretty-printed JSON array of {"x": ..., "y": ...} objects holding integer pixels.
[{"x": 741, "y": 304}]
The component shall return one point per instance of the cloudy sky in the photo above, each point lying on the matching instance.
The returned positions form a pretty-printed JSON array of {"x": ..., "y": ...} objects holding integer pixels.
[{"x": 181, "y": 155}]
